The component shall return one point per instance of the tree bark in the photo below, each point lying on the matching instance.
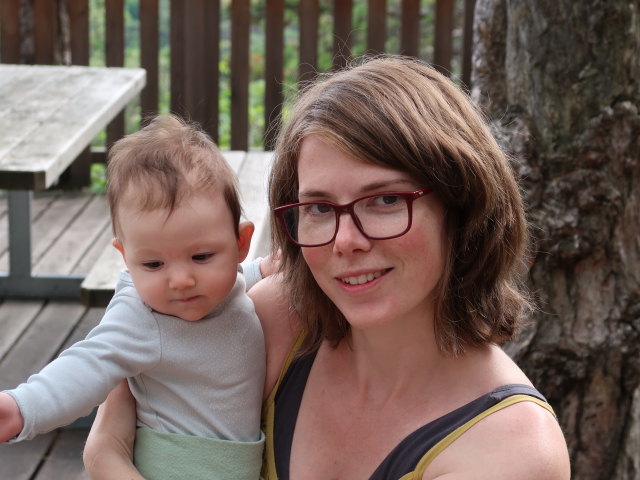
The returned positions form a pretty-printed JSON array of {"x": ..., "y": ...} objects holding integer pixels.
[{"x": 559, "y": 81}]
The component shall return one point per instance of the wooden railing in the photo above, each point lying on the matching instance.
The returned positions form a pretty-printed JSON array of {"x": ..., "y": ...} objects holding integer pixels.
[{"x": 195, "y": 28}]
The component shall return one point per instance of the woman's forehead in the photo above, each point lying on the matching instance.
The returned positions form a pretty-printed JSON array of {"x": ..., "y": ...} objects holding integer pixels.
[{"x": 324, "y": 169}]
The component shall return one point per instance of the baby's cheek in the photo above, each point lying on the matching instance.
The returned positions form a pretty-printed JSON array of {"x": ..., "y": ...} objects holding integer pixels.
[{"x": 150, "y": 293}]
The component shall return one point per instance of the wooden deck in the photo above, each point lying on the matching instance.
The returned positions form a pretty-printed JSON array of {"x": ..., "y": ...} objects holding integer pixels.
[{"x": 69, "y": 233}]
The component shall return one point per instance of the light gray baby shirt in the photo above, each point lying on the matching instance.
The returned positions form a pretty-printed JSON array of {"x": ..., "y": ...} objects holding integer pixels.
[{"x": 201, "y": 378}]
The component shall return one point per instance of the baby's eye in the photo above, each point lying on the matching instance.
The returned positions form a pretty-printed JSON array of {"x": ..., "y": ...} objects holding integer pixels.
[
  {"x": 152, "y": 265},
  {"x": 202, "y": 257}
]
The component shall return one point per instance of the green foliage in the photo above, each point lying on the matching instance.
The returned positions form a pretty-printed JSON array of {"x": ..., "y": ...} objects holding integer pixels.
[{"x": 98, "y": 177}]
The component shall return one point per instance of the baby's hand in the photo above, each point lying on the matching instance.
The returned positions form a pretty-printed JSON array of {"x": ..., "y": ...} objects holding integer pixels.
[
  {"x": 11, "y": 421},
  {"x": 270, "y": 265}
]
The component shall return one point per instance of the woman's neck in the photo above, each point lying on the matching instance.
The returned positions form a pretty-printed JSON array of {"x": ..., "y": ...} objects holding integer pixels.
[{"x": 387, "y": 362}]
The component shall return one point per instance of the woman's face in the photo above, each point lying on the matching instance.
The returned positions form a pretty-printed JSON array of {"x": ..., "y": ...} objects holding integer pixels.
[{"x": 372, "y": 282}]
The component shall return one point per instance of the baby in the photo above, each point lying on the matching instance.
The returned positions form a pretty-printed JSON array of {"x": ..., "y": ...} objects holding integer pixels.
[{"x": 180, "y": 326}]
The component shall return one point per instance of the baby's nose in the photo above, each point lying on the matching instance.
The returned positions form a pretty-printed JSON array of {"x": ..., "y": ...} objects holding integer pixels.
[{"x": 181, "y": 278}]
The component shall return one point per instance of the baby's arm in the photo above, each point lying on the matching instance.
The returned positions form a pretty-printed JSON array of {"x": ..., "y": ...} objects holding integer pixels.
[
  {"x": 260, "y": 268},
  {"x": 122, "y": 345},
  {"x": 11, "y": 421},
  {"x": 270, "y": 264}
]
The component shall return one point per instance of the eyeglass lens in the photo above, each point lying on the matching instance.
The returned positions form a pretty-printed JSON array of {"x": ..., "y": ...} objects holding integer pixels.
[{"x": 377, "y": 217}]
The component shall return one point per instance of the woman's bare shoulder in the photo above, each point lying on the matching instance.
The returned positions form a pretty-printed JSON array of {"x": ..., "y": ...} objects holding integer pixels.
[
  {"x": 521, "y": 441},
  {"x": 279, "y": 323}
]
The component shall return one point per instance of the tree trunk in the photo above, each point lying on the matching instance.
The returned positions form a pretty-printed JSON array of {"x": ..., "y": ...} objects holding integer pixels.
[{"x": 559, "y": 80}]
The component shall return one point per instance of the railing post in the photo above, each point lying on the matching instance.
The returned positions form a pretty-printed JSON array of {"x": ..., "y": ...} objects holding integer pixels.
[
  {"x": 443, "y": 42},
  {"x": 176, "y": 30},
  {"x": 240, "y": 25},
  {"x": 45, "y": 27},
  {"x": 376, "y": 26},
  {"x": 79, "y": 172},
  {"x": 149, "y": 51},
  {"x": 342, "y": 14},
  {"x": 273, "y": 70},
  {"x": 194, "y": 61},
  {"x": 10, "y": 31},
  {"x": 308, "y": 13},
  {"x": 200, "y": 57},
  {"x": 79, "y": 27},
  {"x": 114, "y": 54},
  {"x": 410, "y": 28}
]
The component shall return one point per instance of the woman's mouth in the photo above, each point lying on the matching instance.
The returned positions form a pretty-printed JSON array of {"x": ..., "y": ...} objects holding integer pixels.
[{"x": 361, "y": 279}]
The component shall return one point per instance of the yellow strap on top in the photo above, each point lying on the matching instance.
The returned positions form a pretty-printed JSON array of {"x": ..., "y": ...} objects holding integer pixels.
[
  {"x": 268, "y": 413},
  {"x": 285, "y": 367},
  {"x": 439, "y": 447}
]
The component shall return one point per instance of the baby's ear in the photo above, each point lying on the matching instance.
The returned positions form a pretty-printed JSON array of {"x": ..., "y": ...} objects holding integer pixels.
[
  {"x": 118, "y": 245},
  {"x": 244, "y": 239}
]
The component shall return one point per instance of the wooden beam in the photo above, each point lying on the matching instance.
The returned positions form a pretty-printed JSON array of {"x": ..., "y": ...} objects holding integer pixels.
[
  {"x": 240, "y": 25},
  {"x": 10, "y": 31},
  {"x": 178, "y": 66},
  {"x": 201, "y": 56},
  {"x": 149, "y": 50},
  {"x": 44, "y": 20},
  {"x": 410, "y": 28},
  {"x": 342, "y": 15},
  {"x": 114, "y": 54},
  {"x": 273, "y": 70},
  {"x": 376, "y": 26},
  {"x": 443, "y": 37},
  {"x": 79, "y": 26},
  {"x": 308, "y": 12},
  {"x": 211, "y": 60}
]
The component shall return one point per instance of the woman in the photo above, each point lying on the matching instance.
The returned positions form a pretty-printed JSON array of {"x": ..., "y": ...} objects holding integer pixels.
[{"x": 402, "y": 236}]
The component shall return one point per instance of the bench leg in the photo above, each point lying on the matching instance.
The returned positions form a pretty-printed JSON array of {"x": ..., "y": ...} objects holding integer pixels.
[
  {"x": 20, "y": 282},
  {"x": 20, "y": 233}
]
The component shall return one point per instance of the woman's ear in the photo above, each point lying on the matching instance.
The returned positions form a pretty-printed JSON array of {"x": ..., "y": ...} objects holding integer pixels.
[{"x": 245, "y": 230}]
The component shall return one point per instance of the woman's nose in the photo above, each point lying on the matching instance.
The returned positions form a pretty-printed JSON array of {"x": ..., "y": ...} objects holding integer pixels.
[{"x": 349, "y": 237}]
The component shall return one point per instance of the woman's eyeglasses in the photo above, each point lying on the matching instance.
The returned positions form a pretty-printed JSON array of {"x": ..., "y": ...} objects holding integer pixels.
[{"x": 378, "y": 217}]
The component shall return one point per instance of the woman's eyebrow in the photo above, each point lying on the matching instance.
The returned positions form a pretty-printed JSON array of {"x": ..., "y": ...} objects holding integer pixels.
[{"x": 394, "y": 184}]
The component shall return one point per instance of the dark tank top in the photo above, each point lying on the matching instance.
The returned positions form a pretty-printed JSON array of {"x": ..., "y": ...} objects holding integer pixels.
[{"x": 405, "y": 457}]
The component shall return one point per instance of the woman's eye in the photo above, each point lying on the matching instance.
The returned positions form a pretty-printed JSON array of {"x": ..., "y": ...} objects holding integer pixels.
[
  {"x": 152, "y": 265},
  {"x": 387, "y": 199},
  {"x": 202, "y": 257},
  {"x": 318, "y": 209}
]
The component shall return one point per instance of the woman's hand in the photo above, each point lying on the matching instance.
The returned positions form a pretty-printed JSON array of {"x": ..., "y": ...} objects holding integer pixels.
[{"x": 108, "y": 453}]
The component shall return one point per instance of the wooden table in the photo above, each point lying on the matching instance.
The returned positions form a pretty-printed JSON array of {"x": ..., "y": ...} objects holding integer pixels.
[{"x": 48, "y": 116}]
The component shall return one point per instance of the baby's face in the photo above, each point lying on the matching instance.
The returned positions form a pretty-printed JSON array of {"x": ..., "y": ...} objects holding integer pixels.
[{"x": 183, "y": 265}]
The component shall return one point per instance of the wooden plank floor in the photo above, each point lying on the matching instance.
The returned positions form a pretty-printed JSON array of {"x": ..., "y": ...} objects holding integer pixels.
[{"x": 69, "y": 232}]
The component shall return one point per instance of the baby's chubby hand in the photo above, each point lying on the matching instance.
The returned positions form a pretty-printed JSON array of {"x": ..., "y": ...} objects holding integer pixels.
[
  {"x": 270, "y": 264},
  {"x": 11, "y": 421}
]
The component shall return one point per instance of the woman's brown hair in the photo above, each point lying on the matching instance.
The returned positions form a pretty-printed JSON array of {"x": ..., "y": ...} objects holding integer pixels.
[{"x": 401, "y": 113}]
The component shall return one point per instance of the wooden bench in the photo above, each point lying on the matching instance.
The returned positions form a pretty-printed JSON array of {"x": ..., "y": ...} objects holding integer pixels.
[{"x": 252, "y": 170}]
